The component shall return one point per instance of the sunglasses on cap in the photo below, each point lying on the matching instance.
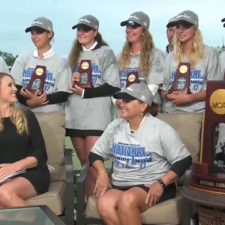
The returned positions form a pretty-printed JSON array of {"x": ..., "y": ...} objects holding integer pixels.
[
  {"x": 38, "y": 30},
  {"x": 133, "y": 24},
  {"x": 185, "y": 24},
  {"x": 84, "y": 27}
]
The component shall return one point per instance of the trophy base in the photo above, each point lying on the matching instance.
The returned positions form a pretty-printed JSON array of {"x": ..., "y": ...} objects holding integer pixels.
[{"x": 206, "y": 180}]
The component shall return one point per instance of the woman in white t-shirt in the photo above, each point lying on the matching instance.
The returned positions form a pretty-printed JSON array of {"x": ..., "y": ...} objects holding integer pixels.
[{"x": 146, "y": 160}]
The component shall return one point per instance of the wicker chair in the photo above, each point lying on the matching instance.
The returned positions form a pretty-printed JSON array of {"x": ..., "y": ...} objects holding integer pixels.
[{"x": 60, "y": 196}]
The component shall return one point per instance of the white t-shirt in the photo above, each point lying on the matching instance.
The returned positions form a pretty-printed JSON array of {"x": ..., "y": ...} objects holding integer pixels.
[
  {"x": 58, "y": 75},
  {"x": 142, "y": 156}
]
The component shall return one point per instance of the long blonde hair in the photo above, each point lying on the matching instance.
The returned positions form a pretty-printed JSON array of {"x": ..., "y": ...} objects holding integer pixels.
[
  {"x": 197, "y": 50},
  {"x": 17, "y": 116},
  {"x": 77, "y": 48},
  {"x": 145, "y": 56}
]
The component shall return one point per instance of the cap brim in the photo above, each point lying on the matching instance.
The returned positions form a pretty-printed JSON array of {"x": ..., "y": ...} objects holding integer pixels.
[
  {"x": 82, "y": 26},
  {"x": 123, "y": 95},
  {"x": 171, "y": 24},
  {"x": 33, "y": 27},
  {"x": 75, "y": 26},
  {"x": 124, "y": 23},
  {"x": 28, "y": 29},
  {"x": 185, "y": 23}
]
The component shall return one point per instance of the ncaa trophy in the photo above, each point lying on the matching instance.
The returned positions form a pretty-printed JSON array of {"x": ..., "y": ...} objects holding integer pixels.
[
  {"x": 85, "y": 74},
  {"x": 182, "y": 79},
  {"x": 132, "y": 78},
  {"x": 37, "y": 80},
  {"x": 206, "y": 174}
]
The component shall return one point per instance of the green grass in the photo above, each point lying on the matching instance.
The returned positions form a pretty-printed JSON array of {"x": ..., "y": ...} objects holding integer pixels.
[{"x": 68, "y": 144}]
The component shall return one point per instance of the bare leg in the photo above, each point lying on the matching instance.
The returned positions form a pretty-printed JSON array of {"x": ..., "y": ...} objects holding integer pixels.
[
  {"x": 14, "y": 192},
  {"x": 79, "y": 145},
  {"x": 92, "y": 174},
  {"x": 83, "y": 146},
  {"x": 131, "y": 205},
  {"x": 107, "y": 207}
]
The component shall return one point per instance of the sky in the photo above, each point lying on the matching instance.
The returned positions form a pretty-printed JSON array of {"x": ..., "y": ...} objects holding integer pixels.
[{"x": 17, "y": 15}]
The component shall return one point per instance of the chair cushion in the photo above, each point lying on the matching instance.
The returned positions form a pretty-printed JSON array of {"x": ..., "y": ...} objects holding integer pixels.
[
  {"x": 188, "y": 126},
  {"x": 167, "y": 212},
  {"x": 54, "y": 198},
  {"x": 53, "y": 130}
]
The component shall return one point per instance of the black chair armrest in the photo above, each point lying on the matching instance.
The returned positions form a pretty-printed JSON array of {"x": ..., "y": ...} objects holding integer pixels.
[
  {"x": 80, "y": 183},
  {"x": 69, "y": 204}
]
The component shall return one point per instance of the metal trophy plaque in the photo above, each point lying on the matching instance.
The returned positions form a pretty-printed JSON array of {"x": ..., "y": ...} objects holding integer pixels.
[
  {"x": 182, "y": 79},
  {"x": 206, "y": 174},
  {"x": 85, "y": 74},
  {"x": 132, "y": 78},
  {"x": 37, "y": 80}
]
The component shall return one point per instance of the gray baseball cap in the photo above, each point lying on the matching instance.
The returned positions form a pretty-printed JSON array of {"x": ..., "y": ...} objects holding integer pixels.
[
  {"x": 41, "y": 22},
  {"x": 188, "y": 16},
  {"x": 138, "y": 91},
  {"x": 171, "y": 22},
  {"x": 89, "y": 21},
  {"x": 138, "y": 17}
]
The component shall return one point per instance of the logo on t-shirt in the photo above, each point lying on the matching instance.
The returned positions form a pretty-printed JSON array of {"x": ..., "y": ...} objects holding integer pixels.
[
  {"x": 196, "y": 80},
  {"x": 130, "y": 156}
]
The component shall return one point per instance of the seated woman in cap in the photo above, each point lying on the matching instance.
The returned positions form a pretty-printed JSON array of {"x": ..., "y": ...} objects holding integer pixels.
[
  {"x": 146, "y": 160},
  {"x": 203, "y": 60},
  {"x": 139, "y": 56},
  {"x": 23, "y": 170},
  {"x": 95, "y": 78}
]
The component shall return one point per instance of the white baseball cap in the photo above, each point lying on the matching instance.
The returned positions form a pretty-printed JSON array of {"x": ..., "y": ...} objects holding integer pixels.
[
  {"x": 41, "y": 22},
  {"x": 89, "y": 21},
  {"x": 138, "y": 91},
  {"x": 138, "y": 17},
  {"x": 187, "y": 16}
]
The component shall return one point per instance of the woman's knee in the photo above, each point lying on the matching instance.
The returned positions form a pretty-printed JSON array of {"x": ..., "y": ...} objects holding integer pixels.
[
  {"x": 6, "y": 195},
  {"x": 127, "y": 200},
  {"x": 105, "y": 207}
]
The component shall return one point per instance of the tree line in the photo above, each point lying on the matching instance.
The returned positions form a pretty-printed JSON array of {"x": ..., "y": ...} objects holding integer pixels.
[{"x": 8, "y": 57}]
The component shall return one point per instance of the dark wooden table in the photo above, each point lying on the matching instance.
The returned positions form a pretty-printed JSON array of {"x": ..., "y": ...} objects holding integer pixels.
[{"x": 210, "y": 206}]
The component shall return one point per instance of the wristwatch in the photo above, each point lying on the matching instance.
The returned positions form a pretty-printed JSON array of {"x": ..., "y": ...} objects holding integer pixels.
[{"x": 161, "y": 183}]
